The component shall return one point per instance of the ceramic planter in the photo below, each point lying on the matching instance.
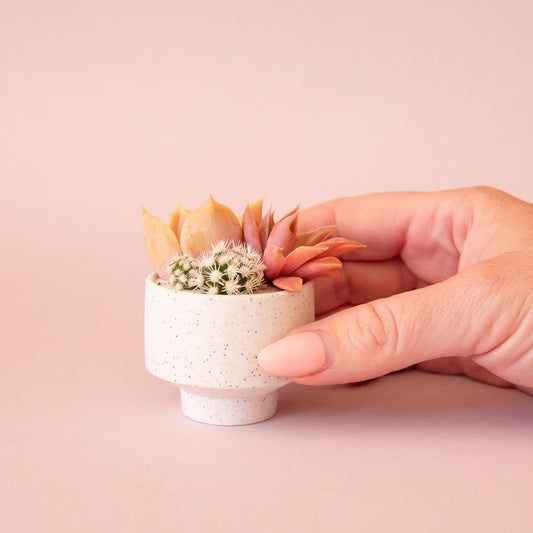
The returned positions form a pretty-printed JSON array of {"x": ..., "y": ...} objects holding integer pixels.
[{"x": 208, "y": 345}]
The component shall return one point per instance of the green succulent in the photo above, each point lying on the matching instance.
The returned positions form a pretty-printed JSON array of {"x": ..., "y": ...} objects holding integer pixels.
[{"x": 225, "y": 269}]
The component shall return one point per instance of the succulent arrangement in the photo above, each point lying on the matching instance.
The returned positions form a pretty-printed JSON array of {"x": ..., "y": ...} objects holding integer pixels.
[{"x": 211, "y": 250}]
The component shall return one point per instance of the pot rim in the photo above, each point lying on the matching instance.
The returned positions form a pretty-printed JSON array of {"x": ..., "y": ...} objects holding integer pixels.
[{"x": 151, "y": 279}]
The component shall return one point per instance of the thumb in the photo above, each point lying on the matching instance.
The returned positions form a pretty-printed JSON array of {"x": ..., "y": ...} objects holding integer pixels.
[{"x": 465, "y": 315}]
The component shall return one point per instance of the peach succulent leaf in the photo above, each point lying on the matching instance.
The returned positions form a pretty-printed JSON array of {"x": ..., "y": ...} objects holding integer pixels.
[
  {"x": 250, "y": 230},
  {"x": 161, "y": 243},
  {"x": 313, "y": 237},
  {"x": 283, "y": 233},
  {"x": 265, "y": 227},
  {"x": 300, "y": 256},
  {"x": 290, "y": 213},
  {"x": 256, "y": 210},
  {"x": 177, "y": 219},
  {"x": 274, "y": 261},
  {"x": 338, "y": 246},
  {"x": 207, "y": 225},
  {"x": 325, "y": 266},
  {"x": 289, "y": 283}
]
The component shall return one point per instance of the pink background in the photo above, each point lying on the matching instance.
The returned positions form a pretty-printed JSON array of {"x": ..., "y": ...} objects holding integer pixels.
[{"x": 105, "y": 106}]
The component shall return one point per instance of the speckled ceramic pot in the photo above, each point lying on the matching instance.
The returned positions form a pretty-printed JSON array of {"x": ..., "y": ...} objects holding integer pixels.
[{"x": 208, "y": 346}]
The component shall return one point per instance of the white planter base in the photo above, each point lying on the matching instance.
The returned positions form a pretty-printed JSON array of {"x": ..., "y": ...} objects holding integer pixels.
[{"x": 211, "y": 407}]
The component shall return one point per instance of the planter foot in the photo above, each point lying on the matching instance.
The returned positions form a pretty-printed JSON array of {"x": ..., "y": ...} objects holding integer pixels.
[{"x": 228, "y": 411}]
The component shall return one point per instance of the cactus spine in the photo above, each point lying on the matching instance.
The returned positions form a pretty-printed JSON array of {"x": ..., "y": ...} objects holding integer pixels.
[{"x": 225, "y": 269}]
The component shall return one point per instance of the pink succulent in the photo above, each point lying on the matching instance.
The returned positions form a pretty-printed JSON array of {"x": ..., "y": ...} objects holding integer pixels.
[{"x": 291, "y": 258}]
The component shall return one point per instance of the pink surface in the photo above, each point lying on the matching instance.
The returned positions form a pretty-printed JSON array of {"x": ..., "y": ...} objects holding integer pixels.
[{"x": 104, "y": 108}]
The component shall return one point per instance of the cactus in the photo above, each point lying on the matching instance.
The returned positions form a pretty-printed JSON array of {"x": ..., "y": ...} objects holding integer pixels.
[{"x": 225, "y": 269}]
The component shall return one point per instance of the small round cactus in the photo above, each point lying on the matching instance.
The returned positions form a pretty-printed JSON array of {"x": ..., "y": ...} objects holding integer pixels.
[{"x": 226, "y": 269}]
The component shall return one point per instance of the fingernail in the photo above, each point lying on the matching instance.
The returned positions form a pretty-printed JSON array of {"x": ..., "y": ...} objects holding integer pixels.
[{"x": 294, "y": 356}]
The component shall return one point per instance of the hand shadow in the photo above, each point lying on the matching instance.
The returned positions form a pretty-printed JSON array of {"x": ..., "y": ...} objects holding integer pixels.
[{"x": 407, "y": 398}]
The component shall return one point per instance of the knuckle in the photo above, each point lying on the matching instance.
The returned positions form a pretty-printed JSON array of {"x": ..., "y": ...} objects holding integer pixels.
[
  {"x": 487, "y": 194},
  {"x": 491, "y": 204},
  {"x": 376, "y": 330},
  {"x": 486, "y": 191}
]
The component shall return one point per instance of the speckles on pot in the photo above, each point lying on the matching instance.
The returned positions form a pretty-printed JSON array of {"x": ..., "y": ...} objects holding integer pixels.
[{"x": 213, "y": 342}]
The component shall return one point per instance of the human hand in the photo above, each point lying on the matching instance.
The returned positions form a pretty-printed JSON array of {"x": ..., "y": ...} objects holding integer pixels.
[{"x": 445, "y": 283}]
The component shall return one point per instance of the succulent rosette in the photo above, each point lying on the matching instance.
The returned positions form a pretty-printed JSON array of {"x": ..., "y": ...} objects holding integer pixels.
[{"x": 211, "y": 250}]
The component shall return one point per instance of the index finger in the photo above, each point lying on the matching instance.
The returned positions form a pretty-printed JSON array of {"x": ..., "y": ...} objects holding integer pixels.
[{"x": 381, "y": 221}]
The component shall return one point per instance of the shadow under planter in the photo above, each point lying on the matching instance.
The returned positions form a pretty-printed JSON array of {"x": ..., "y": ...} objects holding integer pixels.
[{"x": 208, "y": 345}]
